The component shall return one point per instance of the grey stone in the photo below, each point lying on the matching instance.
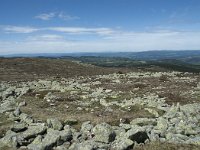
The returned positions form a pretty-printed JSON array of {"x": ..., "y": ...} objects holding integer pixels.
[
  {"x": 195, "y": 140},
  {"x": 152, "y": 111},
  {"x": 10, "y": 139},
  {"x": 86, "y": 127},
  {"x": 22, "y": 104},
  {"x": 77, "y": 136},
  {"x": 55, "y": 124},
  {"x": 66, "y": 135},
  {"x": 137, "y": 134},
  {"x": 18, "y": 127},
  {"x": 103, "y": 133},
  {"x": 84, "y": 146},
  {"x": 122, "y": 144},
  {"x": 119, "y": 131},
  {"x": 26, "y": 118},
  {"x": 190, "y": 131},
  {"x": 9, "y": 92},
  {"x": 89, "y": 145},
  {"x": 13, "y": 117},
  {"x": 37, "y": 140},
  {"x": 125, "y": 126},
  {"x": 153, "y": 136},
  {"x": 51, "y": 139},
  {"x": 8, "y": 106},
  {"x": 176, "y": 137},
  {"x": 162, "y": 124},
  {"x": 17, "y": 112},
  {"x": 36, "y": 144},
  {"x": 33, "y": 131},
  {"x": 64, "y": 146}
]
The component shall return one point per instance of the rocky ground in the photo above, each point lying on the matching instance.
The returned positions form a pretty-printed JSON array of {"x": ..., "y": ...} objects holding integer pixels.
[{"x": 112, "y": 111}]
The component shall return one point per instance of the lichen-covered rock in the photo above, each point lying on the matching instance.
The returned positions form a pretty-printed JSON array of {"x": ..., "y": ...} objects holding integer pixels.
[
  {"x": 9, "y": 92},
  {"x": 162, "y": 124},
  {"x": 10, "y": 139},
  {"x": 8, "y": 106},
  {"x": 195, "y": 140},
  {"x": 22, "y": 104},
  {"x": 18, "y": 127},
  {"x": 86, "y": 127},
  {"x": 137, "y": 134},
  {"x": 119, "y": 131},
  {"x": 66, "y": 135},
  {"x": 26, "y": 118},
  {"x": 12, "y": 117},
  {"x": 36, "y": 144},
  {"x": 33, "y": 131},
  {"x": 55, "y": 124},
  {"x": 103, "y": 133},
  {"x": 83, "y": 146},
  {"x": 17, "y": 112},
  {"x": 176, "y": 138},
  {"x": 89, "y": 145},
  {"x": 122, "y": 144},
  {"x": 152, "y": 111},
  {"x": 64, "y": 146},
  {"x": 51, "y": 139}
]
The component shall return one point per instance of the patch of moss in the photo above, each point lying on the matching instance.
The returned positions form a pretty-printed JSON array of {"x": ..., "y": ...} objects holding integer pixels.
[{"x": 4, "y": 124}]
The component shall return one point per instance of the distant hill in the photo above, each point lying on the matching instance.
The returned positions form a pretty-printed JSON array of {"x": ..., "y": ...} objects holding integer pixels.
[
  {"x": 187, "y": 56},
  {"x": 27, "y": 69}
]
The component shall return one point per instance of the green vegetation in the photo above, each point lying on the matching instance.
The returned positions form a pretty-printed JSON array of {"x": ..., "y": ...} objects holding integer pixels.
[{"x": 119, "y": 62}]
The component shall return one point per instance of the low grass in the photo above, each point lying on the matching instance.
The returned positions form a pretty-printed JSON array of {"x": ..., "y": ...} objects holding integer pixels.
[
  {"x": 166, "y": 146},
  {"x": 4, "y": 124}
]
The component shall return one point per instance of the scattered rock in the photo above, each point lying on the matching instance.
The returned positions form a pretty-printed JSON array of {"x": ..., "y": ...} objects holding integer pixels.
[
  {"x": 10, "y": 139},
  {"x": 64, "y": 146},
  {"x": 103, "y": 133},
  {"x": 137, "y": 134},
  {"x": 51, "y": 139},
  {"x": 152, "y": 111},
  {"x": 162, "y": 124},
  {"x": 18, "y": 127},
  {"x": 8, "y": 106},
  {"x": 86, "y": 127},
  {"x": 55, "y": 124},
  {"x": 33, "y": 131},
  {"x": 176, "y": 124},
  {"x": 26, "y": 118},
  {"x": 36, "y": 144},
  {"x": 17, "y": 112},
  {"x": 79, "y": 108},
  {"x": 21, "y": 104},
  {"x": 122, "y": 144}
]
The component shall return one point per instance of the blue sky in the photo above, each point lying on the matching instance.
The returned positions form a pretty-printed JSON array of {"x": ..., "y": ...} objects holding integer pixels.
[{"x": 53, "y": 26}]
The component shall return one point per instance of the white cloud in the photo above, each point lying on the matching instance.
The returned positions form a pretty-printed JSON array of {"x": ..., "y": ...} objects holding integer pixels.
[
  {"x": 109, "y": 39},
  {"x": 67, "y": 17},
  {"x": 68, "y": 30},
  {"x": 46, "y": 16},
  {"x": 121, "y": 41},
  {"x": 19, "y": 29},
  {"x": 82, "y": 30},
  {"x": 45, "y": 37},
  {"x": 60, "y": 15}
]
